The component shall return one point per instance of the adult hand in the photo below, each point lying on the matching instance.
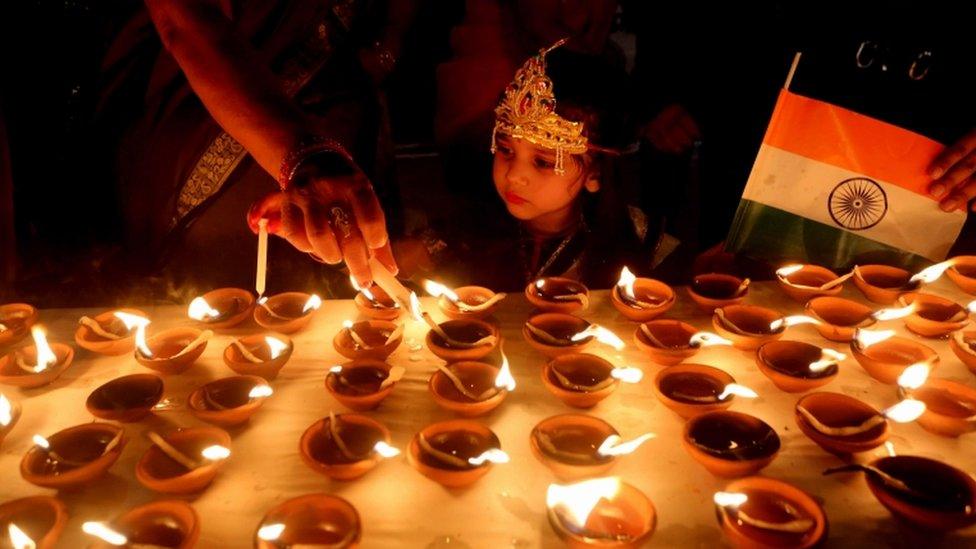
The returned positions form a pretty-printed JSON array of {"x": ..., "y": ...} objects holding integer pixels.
[
  {"x": 673, "y": 130},
  {"x": 954, "y": 174},
  {"x": 334, "y": 219}
]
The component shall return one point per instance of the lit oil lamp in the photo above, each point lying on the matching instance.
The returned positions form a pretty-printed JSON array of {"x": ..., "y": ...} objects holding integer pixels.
[
  {"x": 558, "y": 295},
  {"x": 933, "y": 316},
  {"x": 950, "y": 407},
  {"x": 796, "y": 367},
  {"x": 884, "y": 356},
  {"x": 361, "y": 385},
  {"x": 922, "y": 491},
  {"x": 108, "y": 333},
  {"x": 230, "y": 401},
  {"x": 669, "y": 342},
  {"x": 9, "y": 414},
  {"x": 313, "y": 520},
  {"x": 455, "y": 340},
  {"x": 747, "y": 326},
  {"x": 839, "y": 318},
  {"x": 963, "y": 344},
  {"x": 803, "y": 282},
  {"x": 471, "y": 388},
  {"x": 375, "y": 303},
  {"x": 33, "y": 522},
  {"x": 883, "y": 283},
  {"x": 172, "y": 524},
  {"x": 345, "y": 446},
  {"x": 171, "y": 351},
  {"x": 370, "y": 339},
  {"x": 601, "y": 512},
  {"x": 582, "y": 380},
  {"x": 464, "y": 302},
  {"x": 183, "y": 462},
  {"x": 73, "y": 457},
  {"x": 963, "y": 273},
  {"x": 455, "y": 453},
  {"x": 730, "y": 444},
  {"x": 694, "y": 389},
  {"x": 577, "y": 446},
  {"x": 288, "y": 312},
  {"x": 16, "y": 320},
  {"x": 762, "y": 512},
  {"x": 711, "y": 291},
  {"x": 126, "y": 399},
  {"x": 555, "y": 334},
  {"x": 841, "y": 424},
  {"x": 641, "y": 299},
  {"x": 259, "y": 355},
  {"x": 37, "y": 365},
  {"x": 931, "y": 273},
  {"x": 222, "y": 308}
]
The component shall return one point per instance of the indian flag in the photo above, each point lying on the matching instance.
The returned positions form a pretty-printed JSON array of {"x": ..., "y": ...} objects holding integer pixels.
[{"x": 836, "y": 188}]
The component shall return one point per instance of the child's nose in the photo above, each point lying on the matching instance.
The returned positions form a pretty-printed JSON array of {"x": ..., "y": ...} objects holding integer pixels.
[{"x": 517, "y": 175}]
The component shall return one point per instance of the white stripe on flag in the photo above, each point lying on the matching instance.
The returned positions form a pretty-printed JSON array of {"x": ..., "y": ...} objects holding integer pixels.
[{"x": 802, "y": 186}]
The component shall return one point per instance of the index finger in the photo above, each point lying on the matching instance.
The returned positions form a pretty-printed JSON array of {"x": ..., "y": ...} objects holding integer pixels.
[{"x": 369, "y": 216}]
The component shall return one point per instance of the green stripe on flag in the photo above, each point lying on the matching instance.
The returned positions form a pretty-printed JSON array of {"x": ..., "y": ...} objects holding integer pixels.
[{"x": 773, "y": 235}]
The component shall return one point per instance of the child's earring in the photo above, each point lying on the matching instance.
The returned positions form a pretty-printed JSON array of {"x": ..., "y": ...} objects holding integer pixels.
[{"x": 592, "y": 183}]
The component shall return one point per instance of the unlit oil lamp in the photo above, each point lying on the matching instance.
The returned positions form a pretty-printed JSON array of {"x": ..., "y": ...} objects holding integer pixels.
[
  {"x": 582, "y": 380},
  {"x": 170, "y": 351},
  {"x": 669, "y": 342},
  {"x": 555, "y": 334},
  {"x": 126, "y": 399},
  {"x": 183, "y": 462},
  {"x": 288, "y": 312},
  {"x": 730, "y": 444},
  {"x": 839, "y": 318},
  {"x": 841, "y": 424},
  {"x": 108, "y": 333},
  {"x": 172, "y": 524},
  {"x": 345, "y": 446},
  {"x": 803, "y": 282},
  {"x": 221, "y": 308},
  {"x": 759, "y": 512},
  {"x": 464, "y": 302},
  {"x": 933, "y": 316},
  {"x": 16, "y": 320},
  {"x": 34, "y": 522},
  {"x": 711, "y": 291},
  {"x": 375, "y": 303},
  {"x": 259, "y": 355},
  {"x": 312, "y": 520},
  {"x": 576, "y": 446},
  {"x": 883, "y": 283},
  {"x": 454, "y": 340},
  {"x": 963, "y": 273},
  {"x": 795, "y": 367},
  {"x": 471, "y": 388},
  {"x": 370, "y": 339},
  {"x": 641, "y": 299},
  {"x": 73, "y": 457},
  {"x": 601, "y": 512},
  {"x": 963, "y": 344},
  {"x": 455, "y": 453},
  {"x": 558, "y": 295},
  {"x": 694, "y": 389},
  {"x": 950, "y": 407},
  {"x": 362, "y": 384},
  {"x": 230, "y": 401},
  {"x": 37, "y": 365},
  {"x": 748, "y": 326},
  {"x": 9, "y": 414},
  {"x": 884, "y": 356}
]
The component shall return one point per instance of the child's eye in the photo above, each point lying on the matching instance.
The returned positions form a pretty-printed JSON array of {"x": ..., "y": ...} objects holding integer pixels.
[
  {"x": 503, "y": 150},
  {"x": 542, "y": 163}
]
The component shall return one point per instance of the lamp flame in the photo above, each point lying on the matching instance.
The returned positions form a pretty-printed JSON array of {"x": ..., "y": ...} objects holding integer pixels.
[
  {"x": 932, "y": 273},
  {"x": 276, "y": 346},
  {"x": 628, "y": 374},
  {"x": 729, "y": 499},
  {"x": 914, "y": 376},
  {"x": 539, "y": 284},
  {"x": 335, "y": 369},
  {"x": 971, "y": 307},
  {"x": 504, "y": 379},
  {"x": 415, "y": 309},
  {"x": 436, "y": 289},
  {"x": 18, "y": 538},
  {"x": 707, "y": 339},
  {"x": 260, "y": 391},
  {"x": 896, "y": 313},
  {"x": 385, "y": 450},
  {"x": 890, "y": 448},
  {"x": 139, "y": 323},
  {"x": 787, "y": 270},
  {"x": 613, "y": 445},
  {"x": 215, "y": 452},
  {"x": 104, "y": 533},
  {"x": 45, "y": 356},
  {"x": 41, "y": 442},
  {"x": 829, "y": 357},
  {"x": 626, "y": 283},
  {"x": 577, "y": 501},
  {"x": 601, "y": 334},
  {"x": 271, "y": 532},
  {"x": 906, "y": 411},
  {"x": 365, "y": 291},
  {"x": 737, "y": 390},
  {"x": 793, "y": 320},
  {"x": 313, "y": 303},
  {"x": 199, "y": 309},
  {"x": 6, "y": 411},
  {"x": 867, "y": 338},
  {"x": 494, "y": 455}
]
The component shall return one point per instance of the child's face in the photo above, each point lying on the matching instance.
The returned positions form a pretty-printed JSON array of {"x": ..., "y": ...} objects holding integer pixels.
[{"x": 526, "y": 180}]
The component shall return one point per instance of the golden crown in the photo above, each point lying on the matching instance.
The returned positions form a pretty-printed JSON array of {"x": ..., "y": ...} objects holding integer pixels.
[{"x": 528, "y": 111}]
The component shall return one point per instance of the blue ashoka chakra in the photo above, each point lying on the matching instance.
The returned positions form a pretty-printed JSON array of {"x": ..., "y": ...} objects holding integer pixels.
[{"x": 857, "y": 204}]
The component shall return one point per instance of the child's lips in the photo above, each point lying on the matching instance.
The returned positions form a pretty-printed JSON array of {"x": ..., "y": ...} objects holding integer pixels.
[{"x": 515, "y": 199}]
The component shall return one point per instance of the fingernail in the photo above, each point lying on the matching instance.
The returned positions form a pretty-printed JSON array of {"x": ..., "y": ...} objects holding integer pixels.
[
  {"x": 935, "y": 172},
  {"x": 937, "y": 190},
  {"x": 951, "y": 204}
]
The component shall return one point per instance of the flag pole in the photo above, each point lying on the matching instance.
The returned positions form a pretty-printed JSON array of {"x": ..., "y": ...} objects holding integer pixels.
[{"x": 789, "y": 76}]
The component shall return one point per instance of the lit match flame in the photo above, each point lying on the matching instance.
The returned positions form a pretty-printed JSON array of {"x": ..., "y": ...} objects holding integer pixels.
[
  {"x": 6, "y": 411},
  {"x": 866, "y": 338},
  {"x": 601, "y": 334},
  {"x": 504, "y": 379},
  {"x": 628, "y": 374},
  {"x": 914, "y": 376},
  {"x": 275, "y": 346},
  {"x": 104, "y": 533},
  {"x": 613, "y": 445},
  {"x": 18, "y": 538},
  {"x": 577, "y": 501},
  {"x": 787, "y": 270},
  {"x": 45, "y": 356},
  {"x": 494, "y": 455},
  {"x": 707, "y": 339},
  {"x": 829, "y": 358},
  {"x": 139, "y": 323},
  {"x": 932, "y": 273},
  {"x": 215, "y": 452},
  {"x": 436, "y": 289},
  {"x": 737, "y": 390},
  {"x": 729, "y": 499},
  {"x": 271, "y": 532},
  {"x": 626, "y": 283},
  {"x": 906, "y": 411},
  {"x": 893, "y": 314},
  {"x": 260, "y": 391},
  {"x": 794, "y": 320},
  {"x": 313, "y": 303},
  {"x": 199, "y": 309},
  {"x": 385, "y": 450},
  {"x": 41, "y": 442}
]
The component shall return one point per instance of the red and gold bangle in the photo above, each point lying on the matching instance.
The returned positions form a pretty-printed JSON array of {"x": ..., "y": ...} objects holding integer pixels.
[{"x": 306, "y": 149}]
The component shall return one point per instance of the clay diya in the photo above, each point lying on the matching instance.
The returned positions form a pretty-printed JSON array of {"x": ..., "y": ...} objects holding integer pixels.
[
  {"x": 229, "y": 401},
  {"x": 313, "y": 520},
  {"x": 963, "y": 273},
  {"x": 9, "y": 414},
  {"x": 694, "y": 389},
  {"x": 669, "y": 342},
  {"x": 577, "y": 446},
  {"x": 921, "y": 491},
  {"x": 16, "y": 320},
  {"x": 558, "y": 295},
  {"x": 471, "y": 388},
  {"x": 288, "y": 312},
  {"x": 552, "y": 333},
  {"x": 108, "y": 333},
  {"x": 841, "y": 424},
  {"x": 41, "y": 519},
  {"x": 602, "y": 512},
  {"x": 222, "y": 308},
  {"x": 711, "y": 291},
  {"x": 933, "y": 316},
  {"x": 839, "y": 318},
  {"x": 37, "y": 365},
  {"x": 950, "y": 407},
  {"x": 454, "y": 453},
  {"x": 883, "y": 283},
  {"x": 183, "y": 462},
  {"x": 375, "y": 303},
  {"x": 885, "y": 356},
  {"x": 580, "y": 380},
  {"x": 464, "y": 302},
  {"x": 169, "y": 523},
  {"x": 126, "y": 399},
  {"x": 747, "y": 326},
  {"x": 641, "y": 299},
  {"x": 345, "y": 446},
  {"x": 730, "y": 444},
  {"x": 361, "y": 385},
  {"x": 259, "y": 355},
  {"x": 171, "y": 351},
  {"x": 803, "y": 282},
  {"x": 466, "y": 339},
  {"x": 371, "y": 339},
  {"x": 73, "y": 457},
  {"x": 963, "y": 344},
  {"x": 763, "y": 513},
  {"x": 795, "y": 367}
]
